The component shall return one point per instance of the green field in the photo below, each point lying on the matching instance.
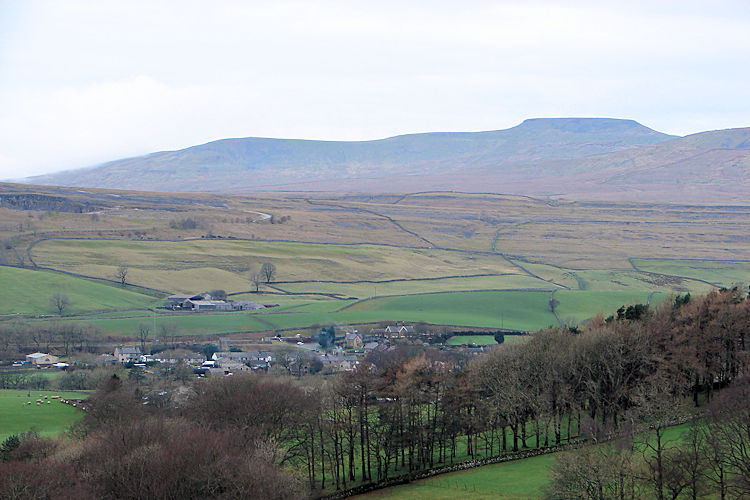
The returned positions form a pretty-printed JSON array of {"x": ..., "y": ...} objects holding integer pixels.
[
  {"x": 519, "y": 479},
  {"x": 618, "y": 280},
  {"x": 47, "y": 419},
  {"x": 471, "y": 339},
  {"x": 27, "y": 291},
  {"x": 514, "y": 310},
  {"x": 578, "y": 305},
  {"x": 503, "y": 309},
  {"x": 720, "y": 273},
  {"x": 485, "y": 339}
]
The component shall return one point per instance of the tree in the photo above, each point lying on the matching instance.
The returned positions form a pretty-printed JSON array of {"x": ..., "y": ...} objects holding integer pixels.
[
  {"x": 499, "y": 337},
  {"x": 122, "y": 274},
  {"x": 144, "y": 329},
  {"x": 60, "y": 301},
  {"x": 218, "y": 294},
  {"x": 327, "y": 337},
  {"x": 268, "y": 271},
  {"x": 256, "y": 279},
  {"x": 168, "y": 333},
  {"x": 208, "y": 350}
]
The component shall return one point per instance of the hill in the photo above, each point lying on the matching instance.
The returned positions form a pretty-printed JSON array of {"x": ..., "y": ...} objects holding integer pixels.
[
  {"x": 260, "y": 163},
  {"x": 709, "y": 167}
]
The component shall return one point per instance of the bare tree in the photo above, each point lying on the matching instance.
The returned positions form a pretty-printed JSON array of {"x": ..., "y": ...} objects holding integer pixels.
[
  {"x": 122, "y": 274},
  {"x": 59, "y": 301},
  {"x": 168, "y": 333},
  {"x": 144, "y": 329},
  {"x": 256, "y": 279},
  {"x": 268, "y": 271}
]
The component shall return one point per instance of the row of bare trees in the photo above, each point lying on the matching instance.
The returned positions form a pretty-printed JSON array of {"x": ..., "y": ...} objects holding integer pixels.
[
  {"x": 15, "y": 337},
  {"x": 709, "y": 459}
]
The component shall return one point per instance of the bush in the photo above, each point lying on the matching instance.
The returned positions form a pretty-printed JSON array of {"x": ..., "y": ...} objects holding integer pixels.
[{"x": 187, "y": 223}]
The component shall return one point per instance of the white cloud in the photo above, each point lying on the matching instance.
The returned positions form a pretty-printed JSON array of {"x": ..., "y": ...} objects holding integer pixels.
[{"x": 82, "y": 82}]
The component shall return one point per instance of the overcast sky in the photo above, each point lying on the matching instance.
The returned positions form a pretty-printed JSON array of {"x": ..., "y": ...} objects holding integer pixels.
[{"x": 83, "y": 82}]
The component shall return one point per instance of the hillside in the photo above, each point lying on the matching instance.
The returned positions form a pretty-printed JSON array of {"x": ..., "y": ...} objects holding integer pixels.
[{"x": 259, "y": 163}]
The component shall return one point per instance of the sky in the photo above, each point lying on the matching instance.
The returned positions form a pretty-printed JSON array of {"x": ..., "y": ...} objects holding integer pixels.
[{"x": 84, "y": 82}]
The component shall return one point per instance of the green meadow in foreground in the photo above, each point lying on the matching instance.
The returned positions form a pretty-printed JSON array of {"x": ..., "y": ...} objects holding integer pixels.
[
  {"x": 47, "y": 419},
  {"x": 527, "y": 478},
  {"x": 519, "y": 479}
]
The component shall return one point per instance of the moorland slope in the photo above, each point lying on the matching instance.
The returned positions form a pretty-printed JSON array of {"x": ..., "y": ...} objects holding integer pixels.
[{"x": 261, "y": 163}]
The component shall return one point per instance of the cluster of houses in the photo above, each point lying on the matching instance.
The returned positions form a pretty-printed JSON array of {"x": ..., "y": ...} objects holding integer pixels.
[
  {"x": 240, "y": 361},
  {"x": 202, "y": 302}
]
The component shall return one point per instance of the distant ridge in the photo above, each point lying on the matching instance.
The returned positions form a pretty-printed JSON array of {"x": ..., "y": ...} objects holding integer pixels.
[
  {"x": 575, "y": 158},
  {"x": 257, "y": 163}
]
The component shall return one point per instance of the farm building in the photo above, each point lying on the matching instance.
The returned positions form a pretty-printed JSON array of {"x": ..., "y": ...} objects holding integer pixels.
[
  {"x": 178, "y": 301},
  {"x": 41, "y": 359},
  {"x": 246, "y": 305},
  {"x": 206, "y": 305}
]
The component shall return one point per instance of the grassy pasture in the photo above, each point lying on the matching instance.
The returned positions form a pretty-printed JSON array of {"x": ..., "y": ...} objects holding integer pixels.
[
  {"x": 471, "y": 339},
  {"x": 503, "y": 309},
  {"x": 618, "y": 279},
  {"x": 46, "y": 419},
  {"x": 720, "y": 273},
  {"x": 486, "y": 339},
  {"x": 194, "y": 265},
  {"x": 578, "y": 305},
  {"x": 363, "y": 290},
  {"x": 520, "y": 479},
  {"x": 27, "y": 291}
]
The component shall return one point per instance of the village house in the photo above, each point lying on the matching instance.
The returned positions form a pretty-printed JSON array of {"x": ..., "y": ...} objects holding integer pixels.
[
  {"x": 41, "y": 359},
  {"x": 353, "y": 341},
  {"x": 334, "y": 363},
  {"x": 393, "y": 331},
  {"x": 399, "y": 330},
  {"x": 127, "y": 354}
]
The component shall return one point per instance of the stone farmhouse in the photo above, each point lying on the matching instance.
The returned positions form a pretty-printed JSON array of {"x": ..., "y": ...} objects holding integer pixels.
[{"x": 127, "y": 354}]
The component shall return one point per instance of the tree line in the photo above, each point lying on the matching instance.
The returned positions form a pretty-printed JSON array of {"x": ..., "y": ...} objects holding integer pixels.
[{"x": 412, "y": 409}]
